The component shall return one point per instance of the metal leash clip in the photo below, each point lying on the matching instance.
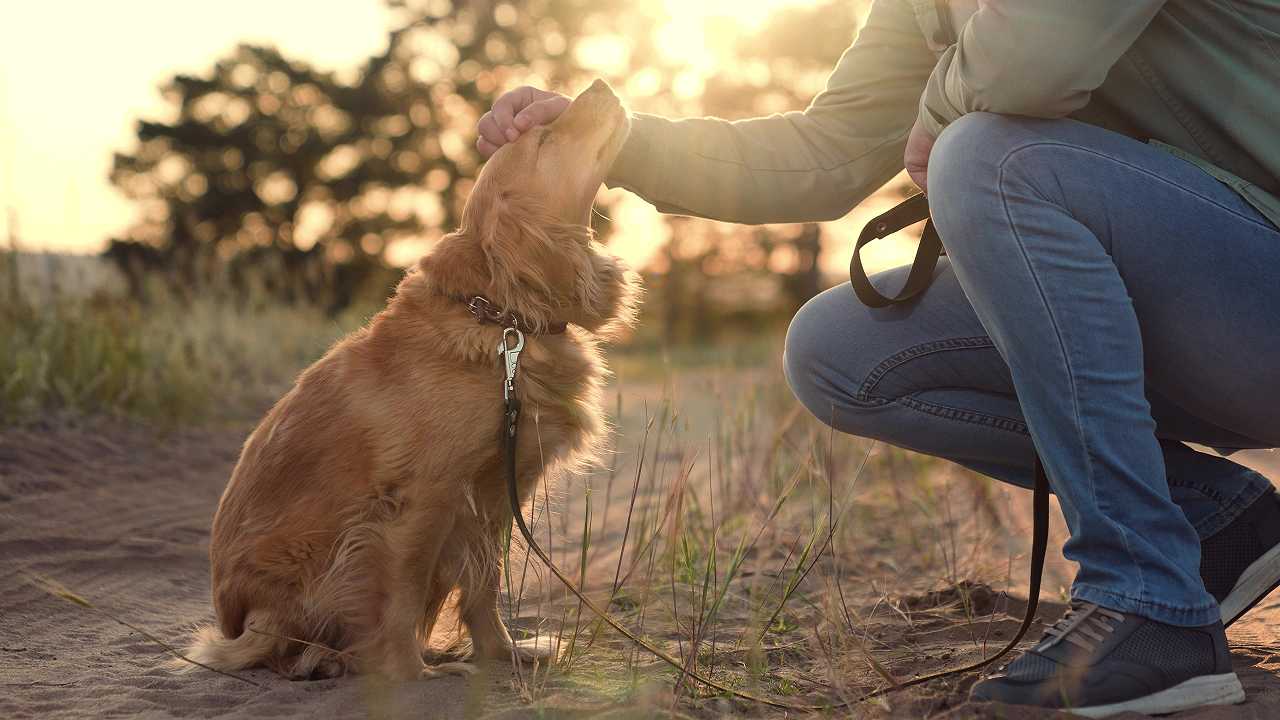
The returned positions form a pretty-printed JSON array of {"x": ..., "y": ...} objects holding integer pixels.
[{"x": 511, "y": 357}]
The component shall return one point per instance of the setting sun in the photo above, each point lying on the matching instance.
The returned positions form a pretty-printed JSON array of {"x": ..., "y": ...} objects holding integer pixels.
[{"x": 701, "y": 34}]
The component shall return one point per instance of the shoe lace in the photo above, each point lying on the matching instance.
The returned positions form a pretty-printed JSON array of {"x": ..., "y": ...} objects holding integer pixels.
[{"x": 1084, "y": 625}]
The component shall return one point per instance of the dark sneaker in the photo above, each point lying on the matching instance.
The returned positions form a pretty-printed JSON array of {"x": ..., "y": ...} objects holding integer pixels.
[
  {"x": 1097, "y": 662},
  {"x": 1240, "y": 565}
]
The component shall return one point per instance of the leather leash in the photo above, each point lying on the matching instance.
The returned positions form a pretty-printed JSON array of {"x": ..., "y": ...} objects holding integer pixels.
[{"x": 913, "y": 210}]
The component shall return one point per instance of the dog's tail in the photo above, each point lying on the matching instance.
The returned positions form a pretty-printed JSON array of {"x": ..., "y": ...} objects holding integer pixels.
[{"x": 257, "y": 645}]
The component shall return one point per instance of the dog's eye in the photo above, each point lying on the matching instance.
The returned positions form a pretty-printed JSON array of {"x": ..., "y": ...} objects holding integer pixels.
[{"x": 544, "y": 137}]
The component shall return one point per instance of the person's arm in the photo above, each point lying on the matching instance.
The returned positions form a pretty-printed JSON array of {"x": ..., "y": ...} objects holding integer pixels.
[
  {"x": 1041, "y": 58},
  {"x": 798, "y": 166}
]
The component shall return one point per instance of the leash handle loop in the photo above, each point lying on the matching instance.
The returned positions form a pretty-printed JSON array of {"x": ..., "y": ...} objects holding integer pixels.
[{"x": 910, "y": 211}]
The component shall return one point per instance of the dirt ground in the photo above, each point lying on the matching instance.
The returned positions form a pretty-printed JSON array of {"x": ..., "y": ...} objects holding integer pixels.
[{"x": 120, "y": 514}]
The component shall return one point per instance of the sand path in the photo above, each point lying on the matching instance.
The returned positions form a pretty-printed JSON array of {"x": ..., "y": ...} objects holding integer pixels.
[{"x": 121, "y": 515}]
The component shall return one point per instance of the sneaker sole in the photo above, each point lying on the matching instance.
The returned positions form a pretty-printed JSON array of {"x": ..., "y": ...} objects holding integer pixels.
[
  {"x": 1197, "y": 692},
  {"x": 1255, "y": 583}
]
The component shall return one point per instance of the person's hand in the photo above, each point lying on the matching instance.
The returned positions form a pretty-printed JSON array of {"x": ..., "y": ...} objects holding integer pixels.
[
  {"x": 916, "y": 157},
  {"x": 514, "y": 113}
]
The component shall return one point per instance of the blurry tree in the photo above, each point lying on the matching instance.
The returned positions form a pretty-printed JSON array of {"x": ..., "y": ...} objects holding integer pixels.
[
  {"x": 308, "y": 182},
  {"x": 313, "y": 184}
]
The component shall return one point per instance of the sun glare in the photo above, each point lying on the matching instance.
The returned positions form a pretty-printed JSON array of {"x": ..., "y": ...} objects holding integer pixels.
[{"x": 700, "y": 34}]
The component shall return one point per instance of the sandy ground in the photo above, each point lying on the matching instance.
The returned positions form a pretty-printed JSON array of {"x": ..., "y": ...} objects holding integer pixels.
[{"x": 120, "y": 515}]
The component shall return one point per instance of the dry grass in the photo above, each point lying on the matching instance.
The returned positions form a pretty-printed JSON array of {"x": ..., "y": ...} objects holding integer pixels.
[
  {"x": 728, "y": 527},
  {"x": 65, "y": 348},
  {"x": 766, "y": 552}
]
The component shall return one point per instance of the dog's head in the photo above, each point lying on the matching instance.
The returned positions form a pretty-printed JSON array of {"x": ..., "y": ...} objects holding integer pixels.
[{"x": 525, "y": 240}]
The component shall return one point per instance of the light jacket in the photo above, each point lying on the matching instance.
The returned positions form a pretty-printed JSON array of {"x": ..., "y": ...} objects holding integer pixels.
[{"x": 1200, "y": 78}]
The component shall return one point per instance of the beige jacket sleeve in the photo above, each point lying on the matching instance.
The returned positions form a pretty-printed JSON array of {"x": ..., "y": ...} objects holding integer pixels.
[
  {"x": 798, "y": 166},
  {"x": 1041, "y": 58}
]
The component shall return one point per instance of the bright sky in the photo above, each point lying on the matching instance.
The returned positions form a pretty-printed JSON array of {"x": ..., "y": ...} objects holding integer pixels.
[
  {"x": 73, "y": 83},
  {"x": 75, "y": 78}
]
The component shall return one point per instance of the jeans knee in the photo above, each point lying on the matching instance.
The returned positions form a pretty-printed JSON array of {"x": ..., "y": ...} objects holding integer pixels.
[
  {"x": 807, "y": 354},
  {"x": 800, "y": 355},
  {"x": 967, "y": 174},
  {"x": 962, "y": 157},
  {"x": 832, "y": 346}
]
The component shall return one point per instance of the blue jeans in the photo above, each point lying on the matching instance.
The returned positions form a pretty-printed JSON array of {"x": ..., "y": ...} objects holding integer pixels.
[{"x": 1103, "y": 302}]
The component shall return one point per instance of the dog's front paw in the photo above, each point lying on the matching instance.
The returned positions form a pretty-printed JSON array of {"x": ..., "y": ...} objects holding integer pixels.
[{"x": 535, "y": 650}]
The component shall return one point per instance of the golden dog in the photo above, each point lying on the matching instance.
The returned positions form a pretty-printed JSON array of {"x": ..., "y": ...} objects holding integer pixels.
[{"x": 375, "y": 487}]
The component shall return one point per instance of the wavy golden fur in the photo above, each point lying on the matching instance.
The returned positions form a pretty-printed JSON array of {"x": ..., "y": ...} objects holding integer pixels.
[{"x": 374, "y": 489}]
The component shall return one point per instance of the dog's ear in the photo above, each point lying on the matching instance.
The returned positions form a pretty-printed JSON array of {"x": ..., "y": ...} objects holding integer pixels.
[
  {"x": 456, "y": 266},
  {"x": 571, "y": 279},
  {"x": 501, "y": 251},
  {"x": 512, "y": 250},
  {"x": 528, "y": 271},
  {"x": 605, "y": 292}
]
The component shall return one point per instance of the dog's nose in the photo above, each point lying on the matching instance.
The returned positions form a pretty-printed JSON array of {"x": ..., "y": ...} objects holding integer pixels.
[{"x": 600, "y": 87}]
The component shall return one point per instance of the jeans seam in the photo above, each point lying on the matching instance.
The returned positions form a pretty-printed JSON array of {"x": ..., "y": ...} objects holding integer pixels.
[
  {"x": 1062, "y": 346},
  {"x": 1201, "y": 488},
  {"x": 947, "y": 412},
  {"x": 911, "y": 353},
  {"x": 1135, "y": 168},
  {"x": 1144, "y": 600},
  {"x": 1092, "y": 593},
  {"x": 1229, "y": 509},
  {"x": 864, "y": 395}
]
